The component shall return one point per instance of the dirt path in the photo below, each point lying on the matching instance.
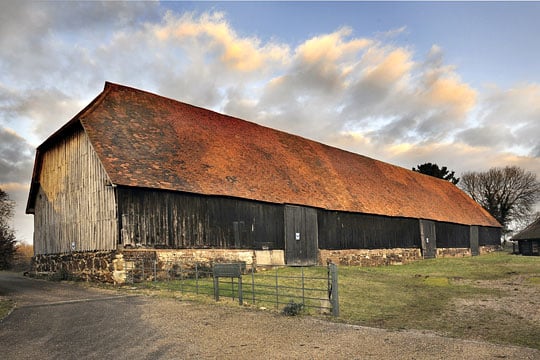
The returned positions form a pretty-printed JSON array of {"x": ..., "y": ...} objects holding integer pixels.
[
  {"x": 222, "y": 332},
  {"x": 67, "y": 321}
]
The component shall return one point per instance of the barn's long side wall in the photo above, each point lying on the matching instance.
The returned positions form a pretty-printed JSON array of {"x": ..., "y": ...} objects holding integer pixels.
[
  {"x": 75, "y": 210},
  {"x": 341, "y": 230},
  {"x": 178, "y": 220},
  {"x": 166, "y": 219}
]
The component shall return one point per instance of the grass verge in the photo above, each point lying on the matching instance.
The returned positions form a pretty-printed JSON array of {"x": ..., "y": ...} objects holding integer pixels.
[
  {"x": 5, "y": 307},
  {"x": 473, "y": 297},
  {"x": 492, "y": 297}
]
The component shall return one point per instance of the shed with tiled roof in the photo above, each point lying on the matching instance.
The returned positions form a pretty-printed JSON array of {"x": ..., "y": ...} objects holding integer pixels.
[{"x": 134, "y": 169}]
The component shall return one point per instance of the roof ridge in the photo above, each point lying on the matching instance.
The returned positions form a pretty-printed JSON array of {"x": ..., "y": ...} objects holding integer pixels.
[{"x": 212, "y": 153}]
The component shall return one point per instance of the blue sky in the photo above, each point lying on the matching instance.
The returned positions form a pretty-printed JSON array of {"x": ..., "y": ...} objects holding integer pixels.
[
  {"x": 489, "y": 41},
  {"x": 455, "y": 83}
]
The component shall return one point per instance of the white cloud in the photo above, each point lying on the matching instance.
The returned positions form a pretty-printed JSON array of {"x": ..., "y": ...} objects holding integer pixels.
[{"x": 361, "y": 93}]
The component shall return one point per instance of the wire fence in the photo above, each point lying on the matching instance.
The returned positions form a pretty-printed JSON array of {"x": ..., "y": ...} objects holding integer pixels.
[{"x": 314, "y": 289}]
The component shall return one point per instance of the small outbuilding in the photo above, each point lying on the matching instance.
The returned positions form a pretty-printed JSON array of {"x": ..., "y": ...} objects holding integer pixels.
[
  {"x": 138, "y": 171},
  {"x": 529, "y": 239}
]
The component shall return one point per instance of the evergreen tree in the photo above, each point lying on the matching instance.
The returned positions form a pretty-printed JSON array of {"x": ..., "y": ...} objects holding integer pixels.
[{"x": 434, "y": 170}]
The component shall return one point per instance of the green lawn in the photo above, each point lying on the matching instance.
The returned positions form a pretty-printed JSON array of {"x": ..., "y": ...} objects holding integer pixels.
[
  {"x": 464, "y": 297},
  {"x": 491, "y": 297}
]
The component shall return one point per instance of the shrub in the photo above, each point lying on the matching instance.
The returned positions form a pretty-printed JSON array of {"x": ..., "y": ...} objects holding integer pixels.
[{"x": 292, "y": 308}]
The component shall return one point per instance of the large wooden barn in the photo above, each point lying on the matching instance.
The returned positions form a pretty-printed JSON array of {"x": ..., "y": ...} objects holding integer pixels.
[{"x": 134, "y": 170}]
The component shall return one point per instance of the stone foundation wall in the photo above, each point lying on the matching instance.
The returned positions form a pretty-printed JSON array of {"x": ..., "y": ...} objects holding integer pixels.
[
  {"x": 87, "y": 266},
  {"x": 113, "y": 267},
  {"x": 370, "y": 257},
  {"x": 489, "y": 249},
  {"x": 453, "y": 252},
  {"x": 164, "y": 263}
]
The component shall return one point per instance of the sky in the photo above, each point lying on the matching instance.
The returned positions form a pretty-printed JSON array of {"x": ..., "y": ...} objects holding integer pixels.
[{"x": 457, "y": 83}]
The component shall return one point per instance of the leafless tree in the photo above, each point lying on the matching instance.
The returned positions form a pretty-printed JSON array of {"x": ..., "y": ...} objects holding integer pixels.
[
  {"x": 508, "y": 194},
  {"x": 7, "y": 235}
]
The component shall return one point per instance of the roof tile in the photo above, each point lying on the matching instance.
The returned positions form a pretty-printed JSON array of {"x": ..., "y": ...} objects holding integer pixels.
[{"x": 145, "y": 140}]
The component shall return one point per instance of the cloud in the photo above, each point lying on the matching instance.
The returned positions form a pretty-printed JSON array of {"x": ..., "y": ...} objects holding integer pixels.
[
  {"x": 508, "y": 118},
  {"x": 361, "y": 93},
  {"x": 45, "y": 41},
  {"x": 16, "y": 157},
  {"x": 244, "y": 54},
  {"x": 16, "y": 160},
  {"x": 47, "y": 109}
]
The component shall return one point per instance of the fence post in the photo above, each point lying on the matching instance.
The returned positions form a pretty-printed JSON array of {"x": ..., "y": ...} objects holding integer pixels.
[
  {"x": 277, "y": 289},
  {"x": 143, "y": 263},
  {"x": 303, "y": 288},
  {"x": 197, "y": 278},
  {"x": 333, "y": 290},
  {"x": 253, "y": 282},
  {"x": 240, "y": 295},
  {"x": 216, "y": 287}
]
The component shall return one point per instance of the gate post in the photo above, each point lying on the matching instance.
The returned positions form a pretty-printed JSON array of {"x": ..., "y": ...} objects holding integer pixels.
[{"x": 333, "y": 294}]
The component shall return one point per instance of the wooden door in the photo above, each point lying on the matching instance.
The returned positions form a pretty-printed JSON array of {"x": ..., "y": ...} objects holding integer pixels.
[
  {"x": 473, "y": 238},
  {"x": 301, "y": 235},
  {"x": 429, "y": 239}
]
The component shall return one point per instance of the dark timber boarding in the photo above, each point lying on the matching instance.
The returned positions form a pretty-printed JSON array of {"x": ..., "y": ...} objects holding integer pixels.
[
  {"x": 301, "y": 235},
  {"x": 452, "y": 235},
  {"x": 341, "y": 230},
  {"x": 428, "y": 235},
  {"x": 179, "y": 220},
  {"x": 489, "y": 236},
  {"x": 170, "y": 219}
]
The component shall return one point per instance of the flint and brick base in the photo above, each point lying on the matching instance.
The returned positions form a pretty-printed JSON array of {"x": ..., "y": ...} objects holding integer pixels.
[
  {"x": 88, "y": 266},
  {"x": 113, "y": 266},
  {"x": 370, "y": 257}
]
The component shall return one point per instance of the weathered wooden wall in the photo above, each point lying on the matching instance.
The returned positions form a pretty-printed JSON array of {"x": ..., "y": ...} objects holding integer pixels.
[
  {"x": 301, "y": 235},
  {"x": 340, "y": 230},
  {"x": 178, "y": 220},
  {"x": 489, "y": 236},
  {"x": 74, "y": 205},
  {"x": 452, "y": 235}
]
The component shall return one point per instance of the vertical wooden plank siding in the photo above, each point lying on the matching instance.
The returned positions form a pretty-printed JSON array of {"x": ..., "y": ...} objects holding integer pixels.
[
  {"x": 301, "y": 235},
  {"x": 74, "y": 205},
  {"x": 342, "y": 230},
  {"x": 428, "y": 235},
  {"x": 452, "y": 235},
  {"x": 167, "y": 219},
  {"x": 489, "y": 236},
  {"x": 473, "y": 234}
]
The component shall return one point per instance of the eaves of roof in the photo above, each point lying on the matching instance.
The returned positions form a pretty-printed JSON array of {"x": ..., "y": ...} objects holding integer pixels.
[{"x": 146, "y": 140}]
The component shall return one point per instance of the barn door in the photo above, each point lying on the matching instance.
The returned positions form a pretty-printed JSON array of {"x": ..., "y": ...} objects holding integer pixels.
[
  {"x": 473, "y": 237},
  {"x": 301, "y": 235},
  {"x": 429, "y": 239}
]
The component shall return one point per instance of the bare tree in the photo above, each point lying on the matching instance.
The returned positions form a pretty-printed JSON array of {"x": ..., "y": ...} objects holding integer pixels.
[
  {"x": 508, "y": 194},
  {"x": 7, "y": 235}
]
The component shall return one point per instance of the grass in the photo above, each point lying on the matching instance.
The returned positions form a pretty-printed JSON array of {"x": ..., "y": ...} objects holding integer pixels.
[
  {"x": 456, "y": 297},
  {"x": 429, "y": 295},
  {"x": 5, "y": 307}
]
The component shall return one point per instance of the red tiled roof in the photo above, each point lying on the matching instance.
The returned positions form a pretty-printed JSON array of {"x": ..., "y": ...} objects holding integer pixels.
[{"x": 145, "y": 140}]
